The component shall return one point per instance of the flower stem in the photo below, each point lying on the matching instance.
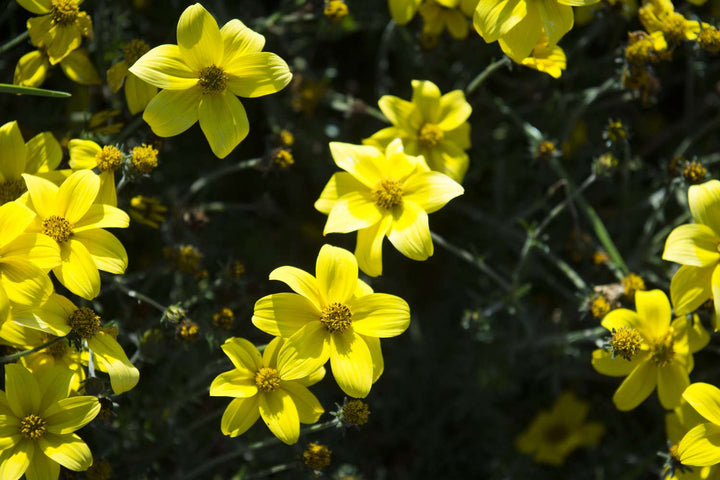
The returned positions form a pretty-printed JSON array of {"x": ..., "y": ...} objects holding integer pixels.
[
  {"x": 15, "y": 41},
  {"x": 15, "y": 356},
  {"x": 477, "y": 81}
]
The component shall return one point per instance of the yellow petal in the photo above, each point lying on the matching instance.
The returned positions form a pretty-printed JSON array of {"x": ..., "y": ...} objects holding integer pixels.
[
  {"x": 43, "y": 194},
  {"x": 700, "y": 446},
  {"x": 339, "y": 184},
  {"x": 44, "y": 153},
  {"x": 78, "y": 68},
  {"x": 12, "y": 151},
  {"x": 77, "y": 194},
  {"x": 697, "y": 336},
  {"x": 704, "y": 200},
  {"x": 42, "y": 467},
  {"x": 705, "y": 399},
  {"x": 403, "y": 11},
  {"x": 373, "y": 344},
  {"x": 14, "y": 219},
  {"x": 68, "y": 450},
  {"x": 39, "y": 30},
  {"x": 336, "y": 271},
  {"x": 351, "y": 362},
  {"x": 368, "y": 250},
  {"x": 636, "y": 387},
  {"x": 199, "y": 39},
  {"x": 495, "y": 18},
  {"x": 715, "y": 285},
  {"x": 31, "y": 70},
  {"x": 239, "y": 40},
  {"x": 454, "y": 110},
  {"x": 300, "y": 281},
  {"x": 243, "y": 354},
  {"x": 64, "y": 39},
  {"x": 4, "y": 311},
  {"x": 21, "y": 390},
  {"x": 102, "y": 216},
  {"x": 672, "y": 380},
  {"x": 106, "y": 250},
  {"x": 16, "y": 460},
  {"x": 223, "y": 121},
  {"x": 24, "y": 283},
  {"x": 304, "y": 352},
  {"x": 410, "y": 232},
  {"x": 138, "y": 94},
  {"x": 70, "y": 414},
  {"x": 653, "y": 308},
  {"x": 353, "y": 211},
  {"x": 110, "y": 355},
  {"x": 78, "y": 272},
  {"x": 83, "y": 154},
  {"x": 116, "y": 75},
  {"x": 279, "y": 413},
  {"x": 308, "y": 406},
  {"x": 557, "y": 19},
  {"x": 603, "y": 362},
  {"x": 170, "y": 113},
  {"x": 51, "y": 317},
  {"x": 694, "y": 244},
  {"x": 522, "y": 38},
  {"x": 164, "y": 67},
  {"x": 256, "y": 74},
  {"x": 270, "y": 354},
  {"x": 240, "y": 415},
  {"x": 283, "y": 314},
  {"x": 358, "y": 160},
  {"x": 426, "y": 98},
  {"x": 235, "y": 383},
  {"x": 431, "y": 190},
  {"x": 690, "y": 287},
  {"x": 41, "y": 7},
  {"x": 380, "y": 315}
]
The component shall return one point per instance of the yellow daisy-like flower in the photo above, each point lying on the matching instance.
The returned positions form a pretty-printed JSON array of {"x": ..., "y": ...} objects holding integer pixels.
[
  {"x": 700, "y": 447},
  {"x": 331, "y": 316},
  {"x": 203, "y": 75},
  {"x": 69, "y": 215},
  {"x": 32, "y": 68},
  {"x": 86, "y": 155},
  {"x": 384, "y": 193},
  {"x": 544, "y": 58},
  {"x": 39, "y": 156},
  {"x": 137, "y": 93},
  {"x": 60, "y": 27},
  {"x": 430, "y": 125},
  {"x": 452, "y": 15},
  {"x": 38, "y": 420},
  {"x": 649, "y": 350},
  {"x": 677, "y": 424},
  {"x": 261, "y": 387},
  {"x": 554, "y": 434},
  {"x": 660, "y": 16},
  {"x": 695, "y": 247},
  {"x": 520, "y": 23},
  {"x": 402, "y": 11}
]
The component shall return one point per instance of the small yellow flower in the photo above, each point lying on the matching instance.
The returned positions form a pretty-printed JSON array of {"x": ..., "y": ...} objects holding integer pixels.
[
  {"x": 87, "y": 155},
  {"x": 384, "y": 193},
  {"x": 38, "y": 420},
  {"x": 144, "y": 157},
  {"x": 60, "y": 27},
  {"x": 332, "y": 316},
  {"x": 650, "y": 350},
  {"x": 543, "y": 58},
  {"x": 316, "y": 456},
  {"x": 452, "y": 15},
  {"x": 709, "y": 39},
  {"x": 282, "y": 157},
  {"x": 335, "y": 10},
  {"x": 32, "y": 68},
  {"x": 600, "y": 306},
  {"x": 694, "y": 172},
  {"x": 263, "y": 387},
  {"x": 632, "y": 283},
  {"x": 188, "y": 330},
  {"x": 402, "y": 11},
  {"x": 203, "y": 75},
  {"x": 430, "y": 125},
  {"x": 554, "y": 434},
  {"x": 137, "y": 92},
  {"x": 147, "y": 211}
]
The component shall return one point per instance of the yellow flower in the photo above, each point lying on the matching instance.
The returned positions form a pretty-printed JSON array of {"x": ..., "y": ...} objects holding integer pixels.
[
  {"x": 137, "y": 92},
  {"x": 438, "y": 15},
  {"x": 699, "y": 447},
  {"x": 261, "y": 387},
  {"x": 677, "y": 424},
  {"x": 648, "y": 349},
  {"x": 147, "y": 211},
  {"x": 203, "y": 73},
  {"x": 38, "y": 419},
  {"x": 60, "y": 27},
  {"x": 402, "y": 11},
  {"x": 544, "y": 58},
  {"x": 69, "y": 215},
  {"x": 430, "y": 125},
  {"x": 331, "y": 316},
  {"x": 59, "y": 317},
  {"x": 32, "y": 68},
  {"x": 39, "y": 156},
  {"x": 695, "y": 247},
  {"x": 86, "y": 155},
  {"x": 520, "y": 23},
  {"x": 383, "y": 193},
  {"x": 554, "y": 434},
  {"x": 660, "y": 16}
]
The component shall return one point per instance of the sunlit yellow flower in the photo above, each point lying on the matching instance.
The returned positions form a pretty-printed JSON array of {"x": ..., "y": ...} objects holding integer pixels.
[
  {"x": 677, "y": 424},
  {"x": 650, "y": 350},
  {"x": 700, "y": 446},
  {"x": 38, "y": 421},
  {"x": 137, "y": 93},
  {"x": 32, "y": 68},
  {"x": 332, "y": 316},
  {"x": 86, "y": 154},
  {"x": 202, "y": 76},
  {"x": 520, "y": 23},
  {"x": 402, "y": 11},
  {"x": 554, "y": 434},
  {"x": 544, "y": 58},
  {"x": 383, "y": 193},
  {"x": 452, "y": 15},
  {"x": 430, "y": 125},
  {"x": 660, "y": 16},
  {"x": 695, "y": 247},
  {"x": 69, "y": 215},
  {"x": 60, "y": 27},
  {"x": 262, "y": 387}
]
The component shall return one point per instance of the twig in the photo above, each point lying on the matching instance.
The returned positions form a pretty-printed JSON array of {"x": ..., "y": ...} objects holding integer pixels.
[
  {"x": 482, "y": 76},
  {"x": 140, "y": 296},
  {"x": 15, "y": 41}
]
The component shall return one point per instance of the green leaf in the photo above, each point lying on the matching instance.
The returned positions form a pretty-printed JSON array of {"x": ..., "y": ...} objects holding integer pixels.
[{"x": 40, "y": 92}]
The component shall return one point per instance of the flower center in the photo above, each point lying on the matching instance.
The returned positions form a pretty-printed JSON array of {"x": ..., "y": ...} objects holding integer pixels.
[
  {"x": 85, "y": 322},
  {"x": 662, "y": 351},
  {"x": 625, "y": 342},
  {"x": 430, "y": 135},
  {"x": 109, "y": 159},
  {"x": 145, "y": 158},
  {"x": 58, "y": 349},
  {"x": 64, "y": 12},
  {"x": 11, "y": 190},
  {"x": 134, "y": 50},
  {"x": 356, "y": 412},
  {"x": 32, "y": 427},
  {"x": 673, "y": 28},
  {"x": 57, "y": 228},
  {"x": 336, "y": 317},
  {"x": 213, "y": 80},
  {"x": 387, "y": 193},
  {"x": 267, "y": 379}
]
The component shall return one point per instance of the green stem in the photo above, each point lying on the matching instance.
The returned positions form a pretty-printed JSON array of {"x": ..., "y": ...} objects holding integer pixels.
[
  {"x": 140, "y": 296},
  {"x": 15, "y": 356},
  {"x": 38, "y": 92},
  {"x": 15, "y": 41},
  {"x": 273, "y": 470},
  {"x": 482, "y": 76},
  {"x": 206, "y": 180}
]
